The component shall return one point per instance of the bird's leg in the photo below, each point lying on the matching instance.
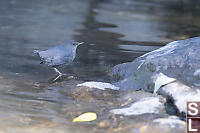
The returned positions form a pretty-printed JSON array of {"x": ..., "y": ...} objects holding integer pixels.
[
  {"x": 59, "y": 73},
  {"x": 56, "y": 70}
]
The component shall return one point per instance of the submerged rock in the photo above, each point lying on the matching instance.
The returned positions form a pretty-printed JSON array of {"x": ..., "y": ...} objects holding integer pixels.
[
  {"x": 99, "y": 85},
  {"x": 171, "y": 122}
]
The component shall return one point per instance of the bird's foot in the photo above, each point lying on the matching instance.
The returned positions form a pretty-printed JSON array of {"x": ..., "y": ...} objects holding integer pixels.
[
  {"x": 64, "y": 76},
  {"x": 59, "y": 76}
]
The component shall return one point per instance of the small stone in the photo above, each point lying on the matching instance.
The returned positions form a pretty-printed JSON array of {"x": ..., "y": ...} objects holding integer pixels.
[
  {"x": 70, "y": 77},
  {"x": 104, "y": 124}
]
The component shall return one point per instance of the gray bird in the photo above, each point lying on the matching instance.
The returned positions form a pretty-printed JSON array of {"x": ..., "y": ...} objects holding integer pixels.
[{"x": 62, "y": 54}]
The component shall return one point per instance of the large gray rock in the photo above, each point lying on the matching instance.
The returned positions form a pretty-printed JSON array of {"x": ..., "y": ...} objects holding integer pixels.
[{"x": 178, "y": 59}]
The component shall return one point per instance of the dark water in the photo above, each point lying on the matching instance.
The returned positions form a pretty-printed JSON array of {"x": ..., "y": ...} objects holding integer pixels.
[{"x": 114, "y": 31}]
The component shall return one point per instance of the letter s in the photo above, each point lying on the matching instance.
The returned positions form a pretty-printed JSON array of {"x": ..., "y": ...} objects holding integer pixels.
[{"x": 193, "y": 108}]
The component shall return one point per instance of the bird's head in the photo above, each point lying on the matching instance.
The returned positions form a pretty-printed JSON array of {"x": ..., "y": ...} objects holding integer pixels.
[{"x": 75, "y": 43}]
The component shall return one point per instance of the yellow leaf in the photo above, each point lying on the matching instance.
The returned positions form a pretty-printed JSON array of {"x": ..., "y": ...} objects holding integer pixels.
[{"x": 89, "y": 116}]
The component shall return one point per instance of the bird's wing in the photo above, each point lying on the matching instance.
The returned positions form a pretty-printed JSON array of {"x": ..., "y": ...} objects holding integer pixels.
[
  {"x": 55, "y": 57},
  {"x": 59, "y": 60}
]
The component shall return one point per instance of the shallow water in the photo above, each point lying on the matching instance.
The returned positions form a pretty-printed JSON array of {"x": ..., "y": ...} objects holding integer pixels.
[{"x": 114, "y": 31}]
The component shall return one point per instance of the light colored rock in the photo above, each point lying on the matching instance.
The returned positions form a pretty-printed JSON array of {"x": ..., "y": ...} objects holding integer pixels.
[
  {"x": 143, "y": 106},
  {"x": 180, "y": 93},
  {"x": 171, "y": 122},
  {"x": 161, "y": 80},
  {"x": 99, "y": 85}
]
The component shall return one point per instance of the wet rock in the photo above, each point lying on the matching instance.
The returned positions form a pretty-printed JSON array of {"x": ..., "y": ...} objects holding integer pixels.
[
  {"x": 178, "y": 59},
  {"x": 89, "y": 91},
  {"x": 104, "y": 124},
  {"x": 147, "y": 105},
  {"x": 147, "y": 124}
]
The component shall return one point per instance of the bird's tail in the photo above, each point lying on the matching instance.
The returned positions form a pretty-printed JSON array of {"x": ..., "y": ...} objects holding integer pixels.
[{"x": 36, "y": 52}]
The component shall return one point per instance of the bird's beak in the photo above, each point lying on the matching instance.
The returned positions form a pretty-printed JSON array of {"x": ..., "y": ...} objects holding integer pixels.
[{"x": 80, "y": 43}]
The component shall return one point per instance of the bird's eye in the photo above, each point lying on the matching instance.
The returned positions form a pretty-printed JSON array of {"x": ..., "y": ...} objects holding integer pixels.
[{"x": 74, "y": 44}]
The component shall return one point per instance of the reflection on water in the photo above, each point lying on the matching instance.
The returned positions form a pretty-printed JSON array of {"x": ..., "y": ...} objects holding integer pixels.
[{"x": 114, "y": 31}]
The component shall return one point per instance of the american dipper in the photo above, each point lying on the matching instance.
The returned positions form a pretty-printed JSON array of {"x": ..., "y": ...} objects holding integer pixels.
[{"x": 62, "y": 54}]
